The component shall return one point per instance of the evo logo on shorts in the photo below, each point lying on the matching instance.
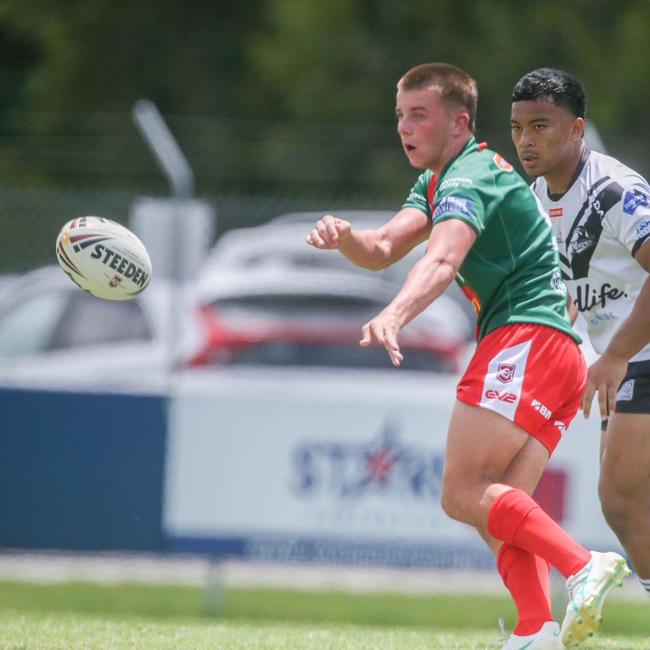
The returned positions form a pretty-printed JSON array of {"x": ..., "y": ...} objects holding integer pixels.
[
  {"x": 504, "y": 396},
  {"x": 504, "y": 380}
]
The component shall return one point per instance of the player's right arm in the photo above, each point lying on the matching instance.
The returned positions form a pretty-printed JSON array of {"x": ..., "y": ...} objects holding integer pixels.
[{"x": 377, "y": 248}]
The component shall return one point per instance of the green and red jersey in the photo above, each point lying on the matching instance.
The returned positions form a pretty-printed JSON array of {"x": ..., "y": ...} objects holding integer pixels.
[{"x": 511, "y": 274}]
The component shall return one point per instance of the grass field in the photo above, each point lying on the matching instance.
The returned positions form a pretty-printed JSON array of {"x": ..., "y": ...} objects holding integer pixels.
[{"x": 76, "y": 616}]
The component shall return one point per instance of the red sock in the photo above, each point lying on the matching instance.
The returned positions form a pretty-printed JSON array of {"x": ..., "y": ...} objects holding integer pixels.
[
  {"x": 527, "y": 578},
  {"x": 516, "y": 519}
]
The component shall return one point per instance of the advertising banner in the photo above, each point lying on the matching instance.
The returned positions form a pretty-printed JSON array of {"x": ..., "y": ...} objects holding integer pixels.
[{"x": 341, "y": 468}]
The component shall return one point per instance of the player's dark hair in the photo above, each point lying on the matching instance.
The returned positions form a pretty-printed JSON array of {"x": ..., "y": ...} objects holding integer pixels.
[
  {"x": 549, "y": 83},
  {"x": 457, "y": 87}
]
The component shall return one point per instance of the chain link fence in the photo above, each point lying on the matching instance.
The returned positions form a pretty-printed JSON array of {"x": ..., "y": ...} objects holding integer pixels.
[
  {"x": 54, "y": 167},
  {"x": 31, "y": 217}
]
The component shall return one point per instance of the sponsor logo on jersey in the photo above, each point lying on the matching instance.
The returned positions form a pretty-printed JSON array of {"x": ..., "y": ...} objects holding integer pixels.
[
  {"x": 506, "y": 372},
  {"x": 588, "y": 297},
  {"x": 626, "y": 391},
  {"x": 541, "y": 409},
  {"x": 555, "y": 212},
  {"x": 582, "y": 240},
  {"x": 454, "y": 205},
  {"x": 603, "y": 317},
  {"x": 561, "y": 426},
  {"x": 633, "y": 199},
  {"x": 557, "y": 284},
  {"x": 643, "y": 228},
  {"x": 415, "y": 198},
  {"x": 504, "y": 396},
  {"x": 502, "y": 163},
  {"x": 458, "y": 181}
]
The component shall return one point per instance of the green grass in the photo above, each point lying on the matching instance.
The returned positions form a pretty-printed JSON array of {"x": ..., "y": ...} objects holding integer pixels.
[
  {"x": 74, "y": 631},
  {"x": 82, "y": 616}
]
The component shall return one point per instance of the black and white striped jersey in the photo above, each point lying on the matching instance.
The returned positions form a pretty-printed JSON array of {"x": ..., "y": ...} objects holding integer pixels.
[{"x": 600, "y": 222}]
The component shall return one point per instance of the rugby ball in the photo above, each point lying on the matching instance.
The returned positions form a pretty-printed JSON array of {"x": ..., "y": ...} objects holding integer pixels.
[{"x": 104, "y": 258}]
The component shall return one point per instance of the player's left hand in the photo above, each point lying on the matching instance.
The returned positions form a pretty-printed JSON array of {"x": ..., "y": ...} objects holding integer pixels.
[
  {"x": 383, "y": 329},
  {"x": 604, "y": 378}
]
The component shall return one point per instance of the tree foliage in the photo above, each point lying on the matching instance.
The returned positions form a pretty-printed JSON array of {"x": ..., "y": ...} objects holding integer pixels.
[{"x": 291, "y": 64}]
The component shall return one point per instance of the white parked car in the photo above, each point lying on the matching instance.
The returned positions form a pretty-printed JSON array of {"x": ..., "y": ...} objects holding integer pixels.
[
  {"x": 54, "y": 333},
  {"x": 277, "y": 301},
  {"x": 279, "y": 317},
  {"x": 280, "y": 243}
]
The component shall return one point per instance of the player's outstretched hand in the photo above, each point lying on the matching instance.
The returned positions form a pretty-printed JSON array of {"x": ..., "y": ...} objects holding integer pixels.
[
  {"x": 328, "y": 232},
  {"x": 604, "y": 378},
  {"x": 383, "y": 329}
]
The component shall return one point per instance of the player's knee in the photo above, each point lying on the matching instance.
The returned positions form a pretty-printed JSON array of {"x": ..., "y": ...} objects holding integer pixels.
[
  {"x": 449, "y": 504},
  {"x": 454, "y": 506}
]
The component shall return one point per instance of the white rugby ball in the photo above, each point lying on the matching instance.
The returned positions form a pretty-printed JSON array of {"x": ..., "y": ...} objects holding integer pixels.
[{"x": 104, "y": 258}]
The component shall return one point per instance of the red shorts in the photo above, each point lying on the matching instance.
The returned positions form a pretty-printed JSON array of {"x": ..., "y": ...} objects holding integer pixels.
[{"x": 531, "y": 374}]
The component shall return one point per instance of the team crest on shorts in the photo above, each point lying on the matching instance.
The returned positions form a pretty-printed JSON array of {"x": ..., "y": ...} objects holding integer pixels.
[{"x": 506, "y": 372}]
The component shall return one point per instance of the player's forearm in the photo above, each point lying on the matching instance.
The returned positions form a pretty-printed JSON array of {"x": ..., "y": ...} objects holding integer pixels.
[
  {"x": 365, "y": 248},
  {"x": 634, "y": 333},
  {"x": 427, "y": 280}
]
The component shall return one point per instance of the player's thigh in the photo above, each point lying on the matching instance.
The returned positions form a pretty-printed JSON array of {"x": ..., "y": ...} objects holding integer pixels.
[
  {"x": 527, "y": 467},
  {"x": 625, "y": 462},
  {"x": 481, "y": 444}
]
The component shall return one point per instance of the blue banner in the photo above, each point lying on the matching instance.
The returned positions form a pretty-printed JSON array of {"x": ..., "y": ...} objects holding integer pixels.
[{"x": 81, "y": 471}]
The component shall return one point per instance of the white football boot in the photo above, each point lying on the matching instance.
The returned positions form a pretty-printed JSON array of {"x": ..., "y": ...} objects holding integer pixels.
[
  {"x": 587, "y": 591},
  {"x": 548, "y": 638}
]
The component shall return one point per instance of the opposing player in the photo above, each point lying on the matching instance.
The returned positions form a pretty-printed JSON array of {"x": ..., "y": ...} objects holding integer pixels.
[
  {"x": 524, "y": 384},
  {"x": 600, "y": 211}
]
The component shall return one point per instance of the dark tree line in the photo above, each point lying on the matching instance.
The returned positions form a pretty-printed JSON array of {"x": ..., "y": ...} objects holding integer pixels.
[{"x": 277, "y": 68}]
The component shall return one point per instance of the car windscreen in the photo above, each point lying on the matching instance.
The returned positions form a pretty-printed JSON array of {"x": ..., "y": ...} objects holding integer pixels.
[
  {"x": 293, "y": 308},
  {"x": 334, "y": 355},
  {"x": 91, "y": 321},
  {"x": 310, "y": 330}
]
